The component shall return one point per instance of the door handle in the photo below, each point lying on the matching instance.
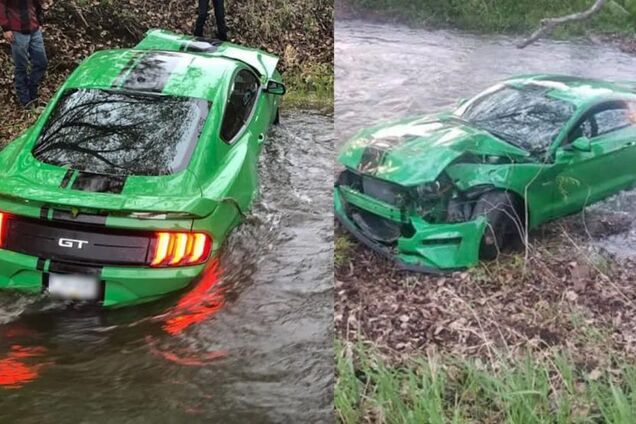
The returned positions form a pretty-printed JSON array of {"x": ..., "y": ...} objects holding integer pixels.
[
  {"x": 261, "y": 137},
  {"x": 630, "y": 143}
]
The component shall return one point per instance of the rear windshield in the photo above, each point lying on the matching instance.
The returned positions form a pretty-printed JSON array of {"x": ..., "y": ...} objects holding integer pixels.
[{"x": 122, "y": 133}]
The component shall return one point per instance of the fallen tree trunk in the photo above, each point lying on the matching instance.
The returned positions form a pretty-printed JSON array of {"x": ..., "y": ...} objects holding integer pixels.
[{"x": 547, "y": 25}]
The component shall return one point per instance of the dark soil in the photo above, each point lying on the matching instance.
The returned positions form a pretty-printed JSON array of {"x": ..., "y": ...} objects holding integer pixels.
[{"x": 560, "y": 295}]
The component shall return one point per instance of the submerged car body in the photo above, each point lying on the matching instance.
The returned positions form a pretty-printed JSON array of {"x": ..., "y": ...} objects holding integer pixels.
[
  {"x": 436, "y": 192},
  {"x": 137, "y": 170}
]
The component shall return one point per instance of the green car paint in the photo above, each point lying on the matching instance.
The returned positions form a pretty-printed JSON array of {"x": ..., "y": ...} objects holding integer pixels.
[
  {"x": 211, "y": 192},
  {"x": 554, "y": 143}
]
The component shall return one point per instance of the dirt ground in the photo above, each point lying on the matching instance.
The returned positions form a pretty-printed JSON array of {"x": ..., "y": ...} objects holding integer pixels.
[{"x": 559, "y": 295}]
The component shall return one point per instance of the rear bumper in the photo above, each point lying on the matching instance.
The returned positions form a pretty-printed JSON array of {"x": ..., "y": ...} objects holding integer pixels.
[
  {"x": 122, "y": 286},
  {"x": 432, "y": 248}
]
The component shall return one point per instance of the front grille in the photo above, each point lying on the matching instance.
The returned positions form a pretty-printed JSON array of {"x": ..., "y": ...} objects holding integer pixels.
[
  {"x": 374, "y": 226},
  {"x": 384, "y": 191},
  {"x": 78, "y": 244}
]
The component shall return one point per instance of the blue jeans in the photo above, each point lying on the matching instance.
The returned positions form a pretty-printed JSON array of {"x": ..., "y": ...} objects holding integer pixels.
[{"x": 24, "y": 49}]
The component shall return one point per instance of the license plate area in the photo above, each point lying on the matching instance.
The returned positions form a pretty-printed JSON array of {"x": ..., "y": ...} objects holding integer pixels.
[{"x": 74, "y": 286}]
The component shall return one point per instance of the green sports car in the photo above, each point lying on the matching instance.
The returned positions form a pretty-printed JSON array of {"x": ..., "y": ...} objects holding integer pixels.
[
  {"x": 137, "y": 170},
  {"x": 440, "y": 192}
]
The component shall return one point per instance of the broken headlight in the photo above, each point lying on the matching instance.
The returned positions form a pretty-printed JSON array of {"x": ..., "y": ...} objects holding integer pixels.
[{"x": 431, "y": 198}]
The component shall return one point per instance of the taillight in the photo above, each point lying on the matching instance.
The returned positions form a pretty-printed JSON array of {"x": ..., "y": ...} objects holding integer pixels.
[
  {"x": 3, "y": 220},
  {"x": 180, "y": 249}
]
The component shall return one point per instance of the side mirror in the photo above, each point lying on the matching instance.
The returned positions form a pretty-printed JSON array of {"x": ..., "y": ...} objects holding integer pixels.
[
  {"x": 582, "y": 144},
  {"x": 276, "y": 88}
]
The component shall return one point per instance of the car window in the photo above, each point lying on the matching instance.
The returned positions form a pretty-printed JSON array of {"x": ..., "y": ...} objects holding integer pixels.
[
  {"x": 239, "y": 105},
  {"x": 602, "y": 120},
  {"x": 121, "y": 133},
  {"x": 612, "y": 119}
]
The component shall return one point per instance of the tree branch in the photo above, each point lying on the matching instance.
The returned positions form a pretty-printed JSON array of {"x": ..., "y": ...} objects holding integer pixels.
[{"x": 547, "y": 25}]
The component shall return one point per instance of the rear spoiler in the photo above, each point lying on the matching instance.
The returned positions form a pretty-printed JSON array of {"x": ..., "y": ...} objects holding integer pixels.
[{"x": 159, "y": 39}]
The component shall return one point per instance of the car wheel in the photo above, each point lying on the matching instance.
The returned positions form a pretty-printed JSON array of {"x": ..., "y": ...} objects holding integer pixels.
[
  {"x": 277, "y": 117},
  {"x": 503, "y": 222}
]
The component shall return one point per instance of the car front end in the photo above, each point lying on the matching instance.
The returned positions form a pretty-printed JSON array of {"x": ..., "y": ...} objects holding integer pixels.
[{"x": 413, "y": 227}]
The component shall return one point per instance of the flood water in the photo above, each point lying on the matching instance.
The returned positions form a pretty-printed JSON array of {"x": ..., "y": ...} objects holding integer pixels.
[
  {"x": 251, "y": 344},
  {"x": 385, "y": 72}
]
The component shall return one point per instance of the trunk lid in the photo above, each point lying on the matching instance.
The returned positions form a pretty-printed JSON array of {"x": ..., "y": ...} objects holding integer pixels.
[{"x": 27, "y": 179}]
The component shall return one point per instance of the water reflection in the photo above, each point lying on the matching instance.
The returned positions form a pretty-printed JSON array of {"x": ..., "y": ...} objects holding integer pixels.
[{"x": 117, "y": 133}]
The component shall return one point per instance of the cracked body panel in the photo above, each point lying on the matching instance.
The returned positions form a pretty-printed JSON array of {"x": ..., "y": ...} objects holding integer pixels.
[{"x": 441, "y": 191}]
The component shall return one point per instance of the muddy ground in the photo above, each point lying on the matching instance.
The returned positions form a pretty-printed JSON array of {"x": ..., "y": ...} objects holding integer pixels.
[
  {"x": 562, "y": 294},
  {"x": 301, "y": 33}
]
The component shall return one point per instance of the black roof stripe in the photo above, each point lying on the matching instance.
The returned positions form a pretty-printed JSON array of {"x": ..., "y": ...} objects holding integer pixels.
[{"x": 153, "y": 71}]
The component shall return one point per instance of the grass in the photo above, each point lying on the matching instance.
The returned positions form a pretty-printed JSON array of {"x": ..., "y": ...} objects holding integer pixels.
[
  {"x": 310, "y": 89},
  {"x": 453, "y": 390},
  {"x": 342, "y": 248},
  {"x": 505, "y": 16}
]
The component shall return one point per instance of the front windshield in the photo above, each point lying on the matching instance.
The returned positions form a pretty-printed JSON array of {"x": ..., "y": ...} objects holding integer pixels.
[
  {"x": 526, "y": 117},
  {"x": 122, "y": 133}
]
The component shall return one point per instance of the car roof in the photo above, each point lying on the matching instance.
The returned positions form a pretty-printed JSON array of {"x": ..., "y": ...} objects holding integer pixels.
[
  {"x": 154, "y": 71},
  {"x": 577, "y": 90}
]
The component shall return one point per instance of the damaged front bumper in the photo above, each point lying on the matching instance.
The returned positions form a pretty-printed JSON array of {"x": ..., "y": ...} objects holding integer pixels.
[{"x": 427, "y": 247}]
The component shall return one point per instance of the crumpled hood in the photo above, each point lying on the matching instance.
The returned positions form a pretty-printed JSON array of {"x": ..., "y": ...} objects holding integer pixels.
[{"x": 416, "y": 150}]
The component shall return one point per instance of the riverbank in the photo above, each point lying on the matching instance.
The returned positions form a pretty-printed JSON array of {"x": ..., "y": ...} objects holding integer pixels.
[
  {"x": 495, "y": 16},
  {"x": 537, "y": 334},
  {"x": 438, "y": 389},
  {"x": 300, "y": 33}
]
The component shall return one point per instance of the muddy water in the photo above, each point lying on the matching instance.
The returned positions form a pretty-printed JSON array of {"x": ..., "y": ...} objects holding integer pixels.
[
  {"x": 251, "y": 343},
  {"x": 387, "y": 71}
]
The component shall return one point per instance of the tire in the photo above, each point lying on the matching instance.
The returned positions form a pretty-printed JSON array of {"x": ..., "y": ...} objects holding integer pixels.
[{"x": 504, "y": 222}]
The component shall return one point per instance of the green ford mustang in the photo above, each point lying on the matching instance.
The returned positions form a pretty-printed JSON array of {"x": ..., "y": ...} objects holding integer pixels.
[
  {"x": 137, "y": 170},
  {"x": 440, "y": 192}
]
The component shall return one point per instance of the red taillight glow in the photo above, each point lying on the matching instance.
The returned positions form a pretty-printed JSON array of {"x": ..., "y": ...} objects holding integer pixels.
[
  {"x": 180, "y": 249},
  {"x": 3, "y": 220}
]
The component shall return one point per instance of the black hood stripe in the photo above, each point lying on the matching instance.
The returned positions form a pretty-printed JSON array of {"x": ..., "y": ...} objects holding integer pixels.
[{"x": 374, "y": 154}]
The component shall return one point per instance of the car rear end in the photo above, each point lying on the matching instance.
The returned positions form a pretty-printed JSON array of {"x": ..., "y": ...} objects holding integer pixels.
[
  {"x": 100, "y": 203},
  {"x": 110, "y": 260}
]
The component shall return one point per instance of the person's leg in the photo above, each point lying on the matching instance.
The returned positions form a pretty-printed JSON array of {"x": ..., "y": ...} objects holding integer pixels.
[
  {"x": 219, "y": 14},
  {"x": 39, "y": 63},
  {"x": 20, "y": 55},
  {"x": 203, "y": 15}
]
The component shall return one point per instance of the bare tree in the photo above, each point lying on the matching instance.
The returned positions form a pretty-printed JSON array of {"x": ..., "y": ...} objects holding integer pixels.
[{"x": 547, "y": 25}]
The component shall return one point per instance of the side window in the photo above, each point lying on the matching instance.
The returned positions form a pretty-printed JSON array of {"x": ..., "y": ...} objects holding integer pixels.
[
  {"x": 602, "y": 120},
  {"x": 239, "y": 105},
  {"x": 609, "y": 120}
]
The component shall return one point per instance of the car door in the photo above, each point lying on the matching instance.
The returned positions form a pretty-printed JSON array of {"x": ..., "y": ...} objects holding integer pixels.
[
  {"x": 600, "y": 168},
  {"x": 244, "y": 138}
]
